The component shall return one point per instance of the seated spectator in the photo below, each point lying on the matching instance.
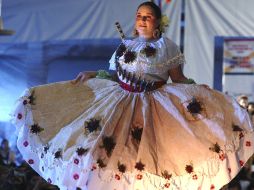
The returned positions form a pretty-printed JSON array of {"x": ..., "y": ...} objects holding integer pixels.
[
  {"x": 234, "y": 185},
  {"x": 251, "y": 111},
  {"x": 243, "y": 101},
  {"x": 6, "y": 154},
  {"x": 251, "y": 186}
]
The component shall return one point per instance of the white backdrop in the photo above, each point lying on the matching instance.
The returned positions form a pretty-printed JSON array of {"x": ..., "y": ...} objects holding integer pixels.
[
  {"x": 206, "y": 19},
  {"x": 41, "y": 20}
]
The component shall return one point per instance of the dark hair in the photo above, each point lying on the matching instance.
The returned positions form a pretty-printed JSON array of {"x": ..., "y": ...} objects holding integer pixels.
[
  {"x": 234, "y": 183},
  {"x": 251, "y": 103},
  {"x": 155, "y": 8},
  {"x": 251, "y": 112}
]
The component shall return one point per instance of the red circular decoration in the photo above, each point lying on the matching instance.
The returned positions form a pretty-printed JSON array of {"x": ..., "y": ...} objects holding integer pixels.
[
  {"x": 167, "y": 185},
  {"x": 248, "y": 143},
  {"x": 241, "y": 135},
  {"x": 24, "y": 102},
  {"x": 139, "y": 176},
  {"x": 19, "y": 116},
  {"x": 195, "y": 177},
  {"x": 117, "y": 177},
  {"x": 49, "y": 180},
  {"x": 76, "y": 161},
  {"x": 241, "y": 162},
  {"x": 25, "y": 143},
  {"x": 76, "y": 176},
  {"x": 30, "y": 161}
]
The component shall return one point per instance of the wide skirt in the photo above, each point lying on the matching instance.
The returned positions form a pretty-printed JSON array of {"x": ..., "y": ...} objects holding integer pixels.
[{"x": 98, "y": 136}]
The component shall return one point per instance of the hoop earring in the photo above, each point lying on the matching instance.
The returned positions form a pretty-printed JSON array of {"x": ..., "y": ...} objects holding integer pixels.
[
  {"x": 135, "y": 32},
  {"x": 156, "y": 33}
]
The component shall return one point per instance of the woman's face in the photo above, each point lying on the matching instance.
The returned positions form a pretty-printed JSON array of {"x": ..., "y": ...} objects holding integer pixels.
[{"x": 146, "y": 22}]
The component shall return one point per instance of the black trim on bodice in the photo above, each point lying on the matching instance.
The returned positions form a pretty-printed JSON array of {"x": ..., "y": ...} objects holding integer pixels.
[{"x": 136, "y": 82}]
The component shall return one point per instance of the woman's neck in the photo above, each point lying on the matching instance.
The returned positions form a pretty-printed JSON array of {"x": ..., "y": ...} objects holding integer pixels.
[{"x": 144, "y": 39}]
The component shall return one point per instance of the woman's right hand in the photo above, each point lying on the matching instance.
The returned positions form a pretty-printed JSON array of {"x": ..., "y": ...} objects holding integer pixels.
[{"x": 84, "y": 76}]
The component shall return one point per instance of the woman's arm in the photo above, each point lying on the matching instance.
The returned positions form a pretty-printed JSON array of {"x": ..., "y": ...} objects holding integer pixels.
[
  {"x": 114, "y": 76},
  {"x": 176, "y": 75},
  {"x": 85, "y": 75}
]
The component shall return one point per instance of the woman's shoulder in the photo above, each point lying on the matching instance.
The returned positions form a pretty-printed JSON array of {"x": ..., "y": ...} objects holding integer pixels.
[
  {"x": 160, "y": 42},
  {"x": 161, "y": 49}
]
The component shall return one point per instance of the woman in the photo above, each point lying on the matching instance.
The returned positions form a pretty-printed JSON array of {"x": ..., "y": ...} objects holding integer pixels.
[
  {"x": 148, "y": 29},
  {"x": 138, "y": 133}
]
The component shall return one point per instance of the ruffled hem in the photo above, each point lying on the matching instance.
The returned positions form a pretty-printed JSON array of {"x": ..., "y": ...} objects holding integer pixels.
[{"x": 69, "y": 168}]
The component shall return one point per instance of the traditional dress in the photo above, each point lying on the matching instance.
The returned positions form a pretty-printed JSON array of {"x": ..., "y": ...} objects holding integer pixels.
[{"x": 135, "y": 134}]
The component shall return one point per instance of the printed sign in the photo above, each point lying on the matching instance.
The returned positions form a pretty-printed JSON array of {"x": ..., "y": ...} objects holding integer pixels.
[{"x": 238, "y": 56}]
